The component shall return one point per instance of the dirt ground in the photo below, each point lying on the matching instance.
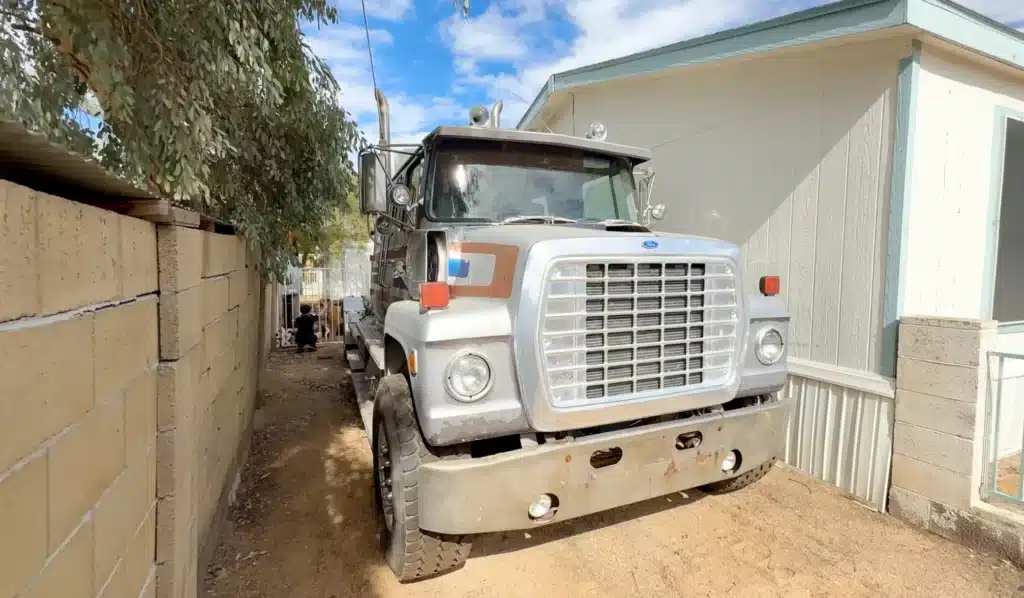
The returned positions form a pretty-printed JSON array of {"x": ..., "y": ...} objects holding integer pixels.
[{"x": 304, "y": 528}]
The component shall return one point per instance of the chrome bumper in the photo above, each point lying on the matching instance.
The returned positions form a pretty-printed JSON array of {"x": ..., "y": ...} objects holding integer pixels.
[{"x": 493, "y": 493}]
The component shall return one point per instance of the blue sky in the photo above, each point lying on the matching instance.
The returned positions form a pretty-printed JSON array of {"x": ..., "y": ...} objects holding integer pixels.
[{"x": 434, "y": 64}]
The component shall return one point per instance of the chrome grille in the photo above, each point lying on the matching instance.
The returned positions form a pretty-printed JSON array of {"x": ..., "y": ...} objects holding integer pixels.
[{"x": 614, "y": 329}]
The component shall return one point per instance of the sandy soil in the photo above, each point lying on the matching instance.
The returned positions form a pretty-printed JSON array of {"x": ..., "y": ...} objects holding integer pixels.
[{"x": 304, "y": 528}]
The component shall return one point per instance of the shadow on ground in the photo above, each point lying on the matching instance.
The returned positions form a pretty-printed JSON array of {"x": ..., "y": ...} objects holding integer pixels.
[{"x": 304, "y": 527}]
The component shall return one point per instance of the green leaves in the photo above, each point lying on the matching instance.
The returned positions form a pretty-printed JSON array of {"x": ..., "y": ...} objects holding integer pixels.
[{"x": 218, "y": 104}]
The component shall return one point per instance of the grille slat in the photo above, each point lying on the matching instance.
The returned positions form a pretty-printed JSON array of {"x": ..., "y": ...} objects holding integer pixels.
[{"x": 637, "y": 326}]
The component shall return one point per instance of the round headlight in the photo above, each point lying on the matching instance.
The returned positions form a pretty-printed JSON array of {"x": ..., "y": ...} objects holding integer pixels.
[
  {"x": 769, "y": 346},
  {"x": 469, "y": 377},
  {"x": 401, "y": 195}
]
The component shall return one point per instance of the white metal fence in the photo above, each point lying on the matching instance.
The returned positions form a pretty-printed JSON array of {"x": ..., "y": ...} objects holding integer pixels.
[
  {"x": 840, "y": 429},
  {"x": 1004, "y": 427},
  {"x": 322, "y": 289}
]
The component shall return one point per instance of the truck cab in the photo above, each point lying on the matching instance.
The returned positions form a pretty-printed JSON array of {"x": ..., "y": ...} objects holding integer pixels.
[{"x": 534, "y": 352}]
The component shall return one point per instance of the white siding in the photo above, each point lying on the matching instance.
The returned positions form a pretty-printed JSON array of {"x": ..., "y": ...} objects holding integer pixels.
[
  {"x": 952, "y": 183},
  {"x": 788, "y": 155}
]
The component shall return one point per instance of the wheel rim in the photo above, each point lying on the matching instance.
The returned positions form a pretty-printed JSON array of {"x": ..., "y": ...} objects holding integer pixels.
[{"x": 387, "y": 501}]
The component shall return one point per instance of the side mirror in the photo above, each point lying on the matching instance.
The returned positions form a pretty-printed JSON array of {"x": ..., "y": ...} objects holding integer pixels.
[
  {"x": 372, "y": 182},
  {"x": 658, "y": 211}
]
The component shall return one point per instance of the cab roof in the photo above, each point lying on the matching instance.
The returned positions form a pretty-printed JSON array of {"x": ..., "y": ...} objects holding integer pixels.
[{"x": 636, "y": 154}]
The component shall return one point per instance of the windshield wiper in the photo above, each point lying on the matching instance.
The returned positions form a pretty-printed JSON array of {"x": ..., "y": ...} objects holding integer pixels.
[{"x": 542, "y": 219}]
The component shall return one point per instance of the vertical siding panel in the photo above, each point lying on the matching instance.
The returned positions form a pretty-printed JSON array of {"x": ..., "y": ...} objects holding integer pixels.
[
  {"x": 885, "y": 152},
  {"x": 831, "y": 216},
  {"x": 802, "y": 267},
  {"x": 779, "y": 239},
  {"x": 858, "y": 238}
]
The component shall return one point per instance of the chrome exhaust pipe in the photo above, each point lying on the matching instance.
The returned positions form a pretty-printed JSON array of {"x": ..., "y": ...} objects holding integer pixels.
[{"x": 496, "y": 115}]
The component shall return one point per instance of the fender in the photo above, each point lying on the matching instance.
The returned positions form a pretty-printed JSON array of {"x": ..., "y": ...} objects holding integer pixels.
[{"x": 479, "y": 325}]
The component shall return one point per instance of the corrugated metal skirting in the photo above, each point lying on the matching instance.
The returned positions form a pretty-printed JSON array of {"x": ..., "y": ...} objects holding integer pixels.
[{"x": 841, "y": 432}]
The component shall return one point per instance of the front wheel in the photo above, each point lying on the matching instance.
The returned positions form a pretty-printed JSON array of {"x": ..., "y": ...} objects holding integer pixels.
[
  {"x": 740, "y": 481},
  {"x": 398, "y": 452}
]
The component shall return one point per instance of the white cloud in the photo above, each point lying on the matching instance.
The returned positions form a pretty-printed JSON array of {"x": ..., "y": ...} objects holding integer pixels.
[
  {"x": 343, "y": 48},
  {"x": 606, "y": 29},
  {"x": 391, "y": 10}
]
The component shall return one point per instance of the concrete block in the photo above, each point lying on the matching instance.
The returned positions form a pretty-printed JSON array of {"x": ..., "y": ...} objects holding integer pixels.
[
  {"x": 930, "y": 481},
  {"x": 180, "y": 258},
  {"x": 976, "y": 532},
  {"x": 177, "y": 385},
  {"x": 136, "y": 567},
  {"x": 960, "y": 323},
  {"x": 165, "y": 526},
  {"x": 118, "y": 515},
  {"x": 239, "y": 282},
  {"x": 936, "y": 413},
  {"x": 216, "y": 295},
  {"x": 220, "y": 254},
  {"x": 126, "y": 345},
  {"x": 83, "y": 463},
  {"x": 938, "y": 379},
  {"x": 69, "y": 574},
  {"x": 149, "y": 590},
  {"x": 219, "y": 337},
  {"x": 938, "y": 448},
  {"x": 910, "y": 506},
  {"x": 946, "y": 345},
  {"x": 19, "y": 273},
  {"x": 46, "y": 383},
  {"x": 79, "y": 254},
  {"x": 140, "y": 418},
  {"x": 180, "y": 322},
  {"x": 151, "y": 473},
  {"x": 23, "y": 548},
  {"x": 138, "y": 257},
  {"x": 165, "y": 582}
]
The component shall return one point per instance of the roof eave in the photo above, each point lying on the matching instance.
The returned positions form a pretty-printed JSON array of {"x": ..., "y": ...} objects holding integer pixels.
[{"x": 844, "y": 18}]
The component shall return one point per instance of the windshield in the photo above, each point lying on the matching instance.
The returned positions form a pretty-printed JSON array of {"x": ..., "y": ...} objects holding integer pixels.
[{"x": 490, "y": 181}]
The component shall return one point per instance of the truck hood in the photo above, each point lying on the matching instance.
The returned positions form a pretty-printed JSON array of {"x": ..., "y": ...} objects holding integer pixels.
[
  {"x": 526, "y": 235},
  {"x": 492, "y": 261}
]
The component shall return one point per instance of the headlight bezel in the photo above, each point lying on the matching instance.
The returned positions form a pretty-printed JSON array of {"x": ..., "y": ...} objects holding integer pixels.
[
  {"x": 759, "y": 341},
  {"x": 449, "y": 370}
]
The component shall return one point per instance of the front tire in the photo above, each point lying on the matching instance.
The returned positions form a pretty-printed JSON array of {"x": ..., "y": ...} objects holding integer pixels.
[
  {"x": 398, "y": 452},
  {"x": 739, "y": 482}
]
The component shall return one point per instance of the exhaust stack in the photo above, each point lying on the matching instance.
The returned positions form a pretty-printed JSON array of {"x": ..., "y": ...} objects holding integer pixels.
[
  {"x": 384, "y": 122},
  {"x": 383, "y": 117},
  {"x": 496, "y": 115}
]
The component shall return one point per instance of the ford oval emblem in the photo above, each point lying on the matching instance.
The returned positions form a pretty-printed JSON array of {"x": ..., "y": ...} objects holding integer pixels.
[{"x": 650, "y": 244}]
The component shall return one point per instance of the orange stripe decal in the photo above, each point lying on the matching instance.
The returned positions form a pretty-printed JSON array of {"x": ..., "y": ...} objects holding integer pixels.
[{"x": 502, "y": 280}]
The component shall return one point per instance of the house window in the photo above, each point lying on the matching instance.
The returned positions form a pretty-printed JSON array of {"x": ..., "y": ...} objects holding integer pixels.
[{"x": 1008, "y": 287}]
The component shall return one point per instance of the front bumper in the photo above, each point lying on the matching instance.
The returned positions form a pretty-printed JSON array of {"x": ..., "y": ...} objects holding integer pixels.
[{"x": 490, "y": 494}]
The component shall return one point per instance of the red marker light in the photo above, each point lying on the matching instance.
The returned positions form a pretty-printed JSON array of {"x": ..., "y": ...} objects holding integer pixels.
[
  {"x": 770, "y": 285},
  {"x": 434, "y": 295}
]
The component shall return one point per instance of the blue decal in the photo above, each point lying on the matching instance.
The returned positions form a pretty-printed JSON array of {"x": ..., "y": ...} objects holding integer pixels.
[
  {"x": 458, "y": 268},
  {"x": 650, "y": 244}
]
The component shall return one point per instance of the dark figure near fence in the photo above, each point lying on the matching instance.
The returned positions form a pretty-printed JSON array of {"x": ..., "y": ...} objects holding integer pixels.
[{"x": 305, "y": 330}]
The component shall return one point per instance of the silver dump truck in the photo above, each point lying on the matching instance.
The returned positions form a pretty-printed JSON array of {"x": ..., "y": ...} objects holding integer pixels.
[{"x": 530, "y": 351}]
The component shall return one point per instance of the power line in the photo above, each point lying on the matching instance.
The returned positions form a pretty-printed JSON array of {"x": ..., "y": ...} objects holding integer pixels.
[{"x": 369, "y": 48}]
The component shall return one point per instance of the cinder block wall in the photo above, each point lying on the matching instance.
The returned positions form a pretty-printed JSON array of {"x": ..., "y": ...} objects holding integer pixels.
[
  {"x": 210, "y": 295},
  {"x": 78, "y": 357},
  {"x": 940, "y": 400}
]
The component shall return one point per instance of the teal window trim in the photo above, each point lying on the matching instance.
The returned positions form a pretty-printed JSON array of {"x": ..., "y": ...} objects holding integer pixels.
[
  {"x": 995, "y": 205},
  {"x": 899, "y": 204},
  {"x": 1011, "y": 328}
]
